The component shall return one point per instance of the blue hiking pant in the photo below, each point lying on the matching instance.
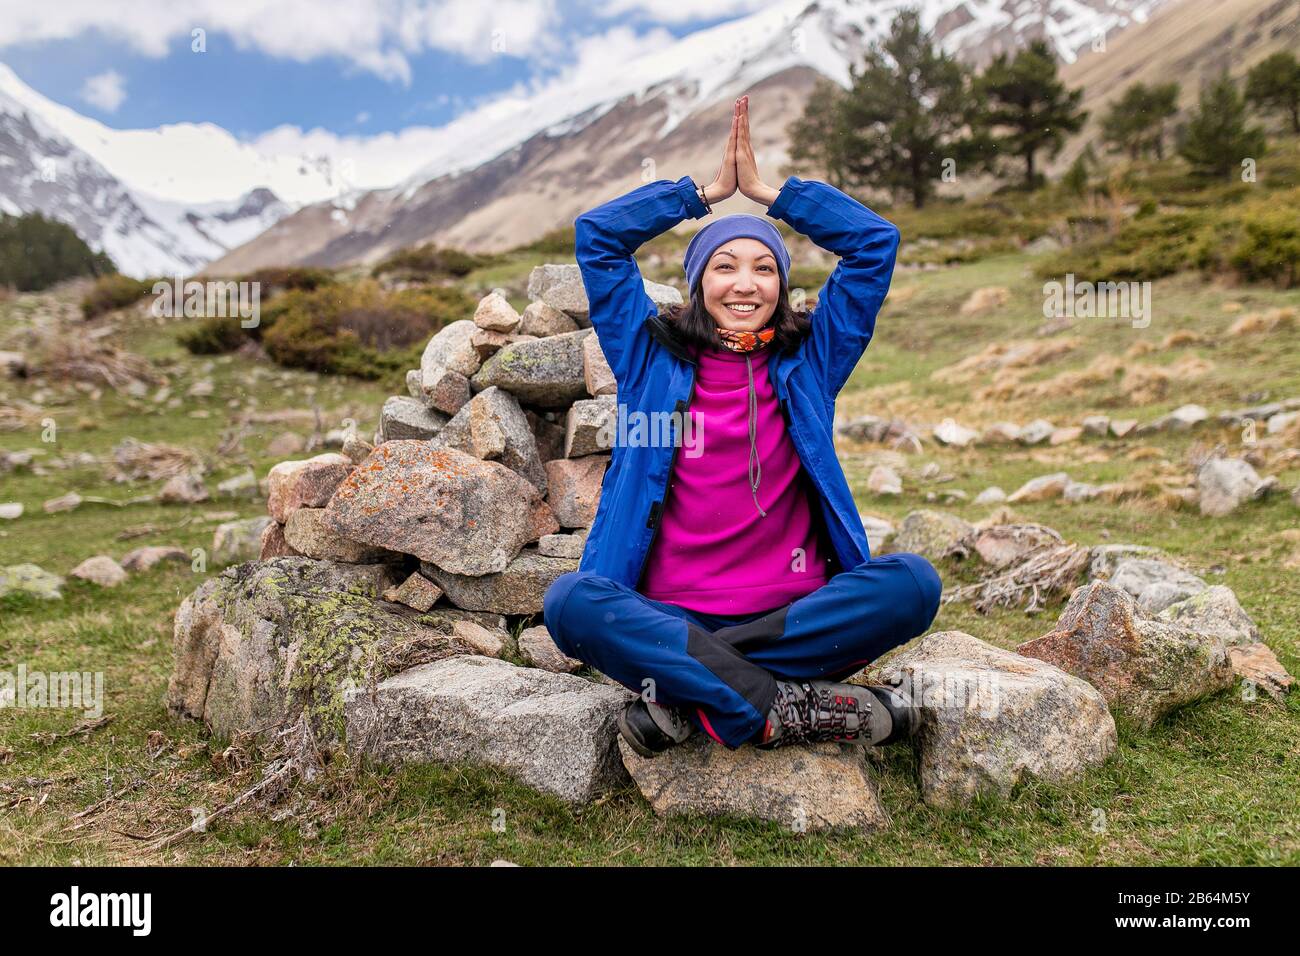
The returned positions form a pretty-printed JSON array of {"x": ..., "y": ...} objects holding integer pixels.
[{"x": 722, "y": 670}]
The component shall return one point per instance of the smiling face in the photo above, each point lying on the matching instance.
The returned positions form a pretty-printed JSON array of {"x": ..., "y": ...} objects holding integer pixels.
[{"x": 741, "y": 285}]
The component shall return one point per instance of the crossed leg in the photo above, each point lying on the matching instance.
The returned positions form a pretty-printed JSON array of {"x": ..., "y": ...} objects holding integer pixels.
[{"x": 725, "y": 677}]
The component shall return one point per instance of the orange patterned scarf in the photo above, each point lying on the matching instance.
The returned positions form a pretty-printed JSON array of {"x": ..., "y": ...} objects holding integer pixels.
[{"x": 745, "y": 341}]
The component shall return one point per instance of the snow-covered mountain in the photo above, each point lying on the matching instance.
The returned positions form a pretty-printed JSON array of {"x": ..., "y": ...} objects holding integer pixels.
[
  {"x": 158, "y": 201},
  {"x": 510, "y": 173},
  {"x": 180, "y": 196}
]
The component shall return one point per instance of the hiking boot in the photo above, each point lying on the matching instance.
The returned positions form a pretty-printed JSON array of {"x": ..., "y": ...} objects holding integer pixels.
[
  {"x": 650, "y": 729},
  {"x": 822, "y": 710}
]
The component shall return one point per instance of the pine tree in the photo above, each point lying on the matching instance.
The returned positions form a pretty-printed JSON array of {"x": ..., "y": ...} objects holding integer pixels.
[
  {"x": 1273, "y": 85},
  {"x": 904, "y": 114},
  {"x": 1217, "y": 138},
  {"x": 1026, "y": 108},
  {"x": 1135, "y": 123},
  {"x": 36, "y": 252}
]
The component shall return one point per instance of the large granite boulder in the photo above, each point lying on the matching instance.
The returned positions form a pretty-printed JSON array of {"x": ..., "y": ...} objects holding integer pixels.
[
  {"x": 264, "y": 642},
  {"x": 405, "y": 417},
  {"x": 451, "y": 509},
  {"x": 991, "y": 718},
  {"x": 1144, "y": 667},
  {"x": 1214, "y": 612},
  {"x": 554, "y": 732},
  {"x": 802, "y": 788}
]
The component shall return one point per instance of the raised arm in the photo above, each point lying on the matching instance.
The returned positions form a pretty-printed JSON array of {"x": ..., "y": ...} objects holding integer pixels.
[
  {"x": 845, "y": 316},
  {"x": 605, "y": 240}
]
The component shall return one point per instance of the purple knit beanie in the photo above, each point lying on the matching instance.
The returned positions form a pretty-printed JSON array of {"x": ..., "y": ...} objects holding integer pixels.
[{"x": 737, "y": 226}]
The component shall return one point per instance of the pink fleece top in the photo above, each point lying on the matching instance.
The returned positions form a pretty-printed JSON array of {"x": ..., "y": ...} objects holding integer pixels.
[{"x": 714, "y": 552}]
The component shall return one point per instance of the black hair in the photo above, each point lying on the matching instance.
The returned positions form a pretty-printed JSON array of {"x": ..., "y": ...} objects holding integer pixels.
[{"x": 694, "y": 326}]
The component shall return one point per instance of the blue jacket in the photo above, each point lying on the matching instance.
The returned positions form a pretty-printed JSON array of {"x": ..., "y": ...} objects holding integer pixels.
[{"x": 656, "y": 374}]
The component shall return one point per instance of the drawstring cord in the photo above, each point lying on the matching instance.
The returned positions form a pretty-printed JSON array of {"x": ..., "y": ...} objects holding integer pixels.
[{"x": 755, "y": 466}]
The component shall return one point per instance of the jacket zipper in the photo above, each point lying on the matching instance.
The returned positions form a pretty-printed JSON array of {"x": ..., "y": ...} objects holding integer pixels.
[{"x": 658, "y": 515}]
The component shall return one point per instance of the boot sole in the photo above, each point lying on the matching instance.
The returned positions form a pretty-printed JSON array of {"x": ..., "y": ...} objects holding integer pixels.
[{"x": 626, "y": 733}]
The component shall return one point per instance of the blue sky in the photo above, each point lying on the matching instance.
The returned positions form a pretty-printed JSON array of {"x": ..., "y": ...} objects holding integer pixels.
[{"x": 354, "y": 69}]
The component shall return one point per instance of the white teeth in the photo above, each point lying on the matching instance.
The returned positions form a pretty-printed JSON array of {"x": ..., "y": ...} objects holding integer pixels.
[{"x": 737, "y": 307}]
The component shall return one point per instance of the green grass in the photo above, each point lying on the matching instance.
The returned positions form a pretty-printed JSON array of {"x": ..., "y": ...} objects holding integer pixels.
[{"x": 1215, "y": 783}]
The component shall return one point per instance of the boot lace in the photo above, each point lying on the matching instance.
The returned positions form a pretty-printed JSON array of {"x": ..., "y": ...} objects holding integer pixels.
[{"x": 817, "y": 714}]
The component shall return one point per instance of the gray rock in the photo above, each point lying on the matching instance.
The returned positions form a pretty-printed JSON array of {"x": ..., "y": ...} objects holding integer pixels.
[
  {"x": 416, "y": 591},
  {"x": 446, "y": 366},
  {"x": 1096, "y": 425},
  {"x": 991, "y": 719},
  {"x": 541, "y": 320},
  {"x": 554, "y": 732},
  {"x": 878, "y": 530},
  {"x": 1155, "y": 584},
  {"x": 1036, "y": 432},
  {"x": 561, "y": 287},
  {"x": 930, "y": 533},
  {"x": 538, "y": 648},
  {"x": 546, "y": 372},
  {"x": 1104, "y": 559},
  {"x": 496, "y": 314},
  {"x": 101, "y": 570},
  {"x": 30, "y": 579},
  {"x": 595, "y": 368},
  {"x": 1225, "y": 483},
  {"x": 308, "y": 483},
  {"x": 991, "y": 495},
  {"x": 591, "y": 426},
  {"x": 518, "y": 589},
  {"x": 11, "y": 510},
  {"x": 1042, "y": 488},
  {"x": 464, "y": 515},
  {"x": 1002, "y": 545},
  {"x": 403, "y": 417},
  {"x": 802, "y": 788},
  {"x": 242, "y": 485},
  {"x": 573, "y": 488},
  {"x": 265, "y": 641},
  {"x": 237, "y": 541},
  {"x": 493, "y": 427},
  {"x": 1214, "y": 612},
  {"x": 562, "y": 545},
  {"x": 1144, "y": 667},
  {"x": 143, "y": 559},
  {"x": 185, "y": 489},
  {"x": 308, "y": 532}
]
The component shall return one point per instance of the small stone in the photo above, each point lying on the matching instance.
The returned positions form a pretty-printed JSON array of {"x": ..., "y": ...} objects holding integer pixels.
[
  {"x": 1258, "y": 664},
  {"x": 416, "y": 591},
  {"x": 1064, "y": 435},
  {"x": 561, "y": 545},
  {"x": 142, "y": 559},
  {"x": 67, "y": 502},
  {"x": 496, "y": 314},
  {"x": 1036, "y": 432},
  {"x": 538, "y": 648},
  {"x": 285, "y": 444},
  {"x": 990, "y": 496},
  {"x": 883, "y": 480},
  {"x": 1042, "y": 488},
  {"x": 1122, "y": 427},
  {"x": 11, "y": 510},
  {"x": 30, "y": 579},
  {"x": 235, "y": 542},
  {"x": 1096, "y": 425},
  {"x": 101, "y": 570},
  {"x": 307, "y": 532},
  {"x": 949, "y": 432},
  {"x": 183, "y": 489}
]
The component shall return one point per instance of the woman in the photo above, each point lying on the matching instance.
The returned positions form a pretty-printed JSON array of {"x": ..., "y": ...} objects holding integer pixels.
[{"x": 730, "y": 583}]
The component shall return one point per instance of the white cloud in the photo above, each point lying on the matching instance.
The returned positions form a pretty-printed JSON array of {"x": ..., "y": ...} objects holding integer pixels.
[
  {"x": 388, "y": 158},
  {"x": 680, "y": 11},
  {"x": 105, "y": 90},
  {"x": 378, "y": 37}
]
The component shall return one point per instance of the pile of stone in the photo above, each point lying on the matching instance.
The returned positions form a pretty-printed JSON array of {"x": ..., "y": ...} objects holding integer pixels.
[{"x": 393, "y": 579}]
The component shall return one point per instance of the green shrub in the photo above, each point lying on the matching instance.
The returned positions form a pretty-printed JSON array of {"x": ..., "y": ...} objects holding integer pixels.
[
  {"x": 283, "y": 278},
  {"x": 114, "y": 292},
  {"x": 428, "y": 262},
  {"x": 36, "y": 252},
  {"x": 1269, "y": 247},
  {"x": 359, "y": 329},
  {"x": 215, "y": 335}
]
